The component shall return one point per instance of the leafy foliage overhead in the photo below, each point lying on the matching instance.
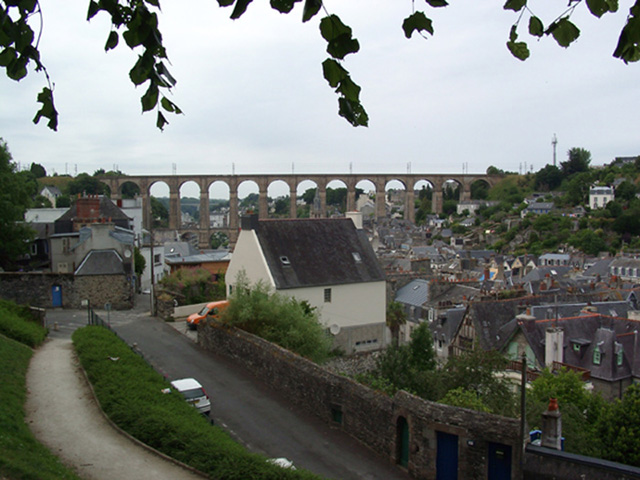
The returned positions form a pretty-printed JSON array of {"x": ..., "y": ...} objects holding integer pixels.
[{"x": 136, "y": 23}]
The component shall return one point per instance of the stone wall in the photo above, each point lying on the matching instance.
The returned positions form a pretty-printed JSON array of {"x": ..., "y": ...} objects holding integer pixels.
[
  {"x": 35, "y": 289},
  {"x": 546, "y": 464},
  {"x": 371, "y": 417}
]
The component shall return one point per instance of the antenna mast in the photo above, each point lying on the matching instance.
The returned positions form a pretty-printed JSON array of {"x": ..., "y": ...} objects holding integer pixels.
[{"x": 554, "y": 142}]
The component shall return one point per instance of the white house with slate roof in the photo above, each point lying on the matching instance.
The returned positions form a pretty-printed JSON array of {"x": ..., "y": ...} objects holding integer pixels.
[{"x": 327, "y": 262}]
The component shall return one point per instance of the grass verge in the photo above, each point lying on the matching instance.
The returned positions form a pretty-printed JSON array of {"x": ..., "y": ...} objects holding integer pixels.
[
  {"x": 131, "y": 394},
  {"x": 15, "y": 323},
  {"x": 21, "y": 456}
]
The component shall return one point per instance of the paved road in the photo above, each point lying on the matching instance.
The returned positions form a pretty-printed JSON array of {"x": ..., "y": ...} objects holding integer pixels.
[{"x": 253, "y": 413}]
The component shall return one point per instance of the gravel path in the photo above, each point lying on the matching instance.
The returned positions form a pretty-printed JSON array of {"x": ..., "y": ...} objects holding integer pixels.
[{"x": 63, "y": 415}]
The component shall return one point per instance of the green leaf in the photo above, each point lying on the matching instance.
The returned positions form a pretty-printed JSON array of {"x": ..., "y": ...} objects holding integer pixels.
[
  {"x": 142, "y": 70},
  {"x": 518, "y": 50},
  {"x": 47, "y": 110},
  {"x": 155, "y": 3},
  {"x": 628, "y": 48},
  {"x": 513, "y": 33},
  {"x": 240, "y": 8},
  {"x": 342, "y": 46},
  {"x": 333, "y": 72},
  {"x": 226, "y": 3},
  {"x": 598, "y": 7},
  {"x": 349, "y": 89},
  {"x": 7, "y": 56},
  {"x": 437, "y": 3},
  {"x": 167, "y": 104},
  {"x": 353, "y": 112},
  {"x": 515, "y": 5},
  {"x": 165, "y": 75},
  {"x": 417, "y": 21},
  {"x": 17, "y": 68},
  {"x": 311, "y": 8},
  {"x": 536, "y": 28},
  {"x": 112, "y": 41},
  {"x": 94, "y": 8},
  {"x": 564, "y": 32},
  {"x": 283, "y": 6},
  {"x": 150, "y": 99},
  {"x": 613, "y": 5},
  {"x": 161, "y": 121}
]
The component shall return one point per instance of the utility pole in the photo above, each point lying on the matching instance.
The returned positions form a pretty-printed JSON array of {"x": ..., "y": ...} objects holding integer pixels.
[{"x": 554, "y": 142}]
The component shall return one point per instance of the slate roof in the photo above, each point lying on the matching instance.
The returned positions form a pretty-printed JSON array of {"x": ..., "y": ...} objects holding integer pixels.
[
  {"x": 101, "y": 262},
  {"x": 445, "y": 327},
  {"x": 315, "y": 252},
  {"x": 609, "y": 334},
  {"x": 415, "y": 293},
  {"x": 614, "y": 309},
  {"x": 108, "y": 209}
]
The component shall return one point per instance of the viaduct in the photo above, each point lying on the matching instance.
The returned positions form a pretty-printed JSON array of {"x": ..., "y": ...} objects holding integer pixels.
[{"x": 380, "y": 181}]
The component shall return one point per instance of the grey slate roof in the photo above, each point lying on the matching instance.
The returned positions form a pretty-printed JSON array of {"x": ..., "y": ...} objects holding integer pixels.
[
  {"x": 610, "y": 334},
  {"x": 415, "y": 293},
  {"x": 315, "y": 252},
  {"x": 101, "y": 262},
  {"x": 108, "y": 209},
  {"x": 445, "y": 327}
]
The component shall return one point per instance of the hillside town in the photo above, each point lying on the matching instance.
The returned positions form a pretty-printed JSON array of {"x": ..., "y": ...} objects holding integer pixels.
[{"x": 547, "y": 281}]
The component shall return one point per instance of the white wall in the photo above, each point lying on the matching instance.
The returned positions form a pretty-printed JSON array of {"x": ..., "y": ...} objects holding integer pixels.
[{"x": 248, "y": 256}]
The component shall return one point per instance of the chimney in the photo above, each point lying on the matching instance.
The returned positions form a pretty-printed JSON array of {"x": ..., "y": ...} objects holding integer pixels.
[
  {"x": 552, "y": 426},
  {"x": 356, "y": 217},
  {"x": 554, "y": 341},
  {"x": 249, "y": 222}
]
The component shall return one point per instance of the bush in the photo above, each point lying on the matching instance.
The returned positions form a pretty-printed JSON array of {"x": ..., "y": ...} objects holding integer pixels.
[
  {"x": 285, "y": 321},
  {"x": 16, "y": 323},
  {"x": 195, "y": 285},
  {"x": 130, "y": 393}
]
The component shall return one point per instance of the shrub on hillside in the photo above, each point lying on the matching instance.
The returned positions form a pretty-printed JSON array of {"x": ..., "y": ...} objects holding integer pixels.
[
  {"x": 285, "y": 321},
  {"x": 194, "y": 285},
  {"x": 16, "y": 323}
]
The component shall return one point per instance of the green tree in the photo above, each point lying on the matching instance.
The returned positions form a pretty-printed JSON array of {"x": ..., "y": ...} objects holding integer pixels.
[
  {"x": 16, "y": 191},
  {"x": 461, "y": 397},
  {"x": 548, "y": 178},
  {"x": 619, "y": 429},
  {"x": 63, "y": 201},
  {"x": 38, "y": 170},
  {"x": 396, "y": 317},
  {"x": 41, "y": 201},
  {"x": 86, "y": 184},
  {"x": 159, "y": 212},
  {"x": 626, "y": 191},
  {"x": 578, "y": 161},
  {"x": 137, "y": 24},
  {"x": 139, "y": 262}
]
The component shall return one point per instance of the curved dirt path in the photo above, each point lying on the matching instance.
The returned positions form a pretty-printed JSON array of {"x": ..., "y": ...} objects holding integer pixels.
[{"x": 63, "y": 415}]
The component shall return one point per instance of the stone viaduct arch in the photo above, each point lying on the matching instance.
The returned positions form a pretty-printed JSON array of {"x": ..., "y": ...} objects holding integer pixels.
[{"x": 144, "y": 183}]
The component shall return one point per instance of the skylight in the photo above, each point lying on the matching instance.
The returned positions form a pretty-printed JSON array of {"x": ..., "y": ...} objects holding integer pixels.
[
  {"x": 285, "y": 260},
  {"x": 357, "y": 257}
]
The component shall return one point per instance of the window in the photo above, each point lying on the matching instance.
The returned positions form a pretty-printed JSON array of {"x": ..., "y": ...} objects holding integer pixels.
[
  {"x": 285, "y": 260},
  {"x": 597, "y": 356},
  {"x": 576, "y": 347},
  {"x": 156, "y": 259},
  {"x": 619, "y": 357},
  {"x": 327, "y": 295},
  {"x": 357, "y": 257}
]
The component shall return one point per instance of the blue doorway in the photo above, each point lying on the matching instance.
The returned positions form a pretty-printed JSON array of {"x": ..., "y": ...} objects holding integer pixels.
[
  {"x": 447, "y": 457},
  {"x": 499, "y": 461},
  {"x": 56, "y": 296}
]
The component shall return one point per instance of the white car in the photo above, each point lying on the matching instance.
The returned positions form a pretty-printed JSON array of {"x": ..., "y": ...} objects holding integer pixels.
[{"x": 193, "y": 392}]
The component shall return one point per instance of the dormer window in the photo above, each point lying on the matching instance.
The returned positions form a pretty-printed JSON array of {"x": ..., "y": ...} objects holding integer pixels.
[
  {"x": 285, "y": 260},
  {"x": 619, "y": 357},
  {"x": 597, "y": 356}
]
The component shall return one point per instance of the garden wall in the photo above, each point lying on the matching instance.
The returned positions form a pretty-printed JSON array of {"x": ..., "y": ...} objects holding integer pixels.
[
  {"x": 405, "y": 429},
  {"x": 37, "y": 289}
]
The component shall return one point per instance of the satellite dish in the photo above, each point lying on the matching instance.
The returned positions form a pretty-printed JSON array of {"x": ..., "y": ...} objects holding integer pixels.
[{"x": 334, "y": 329}]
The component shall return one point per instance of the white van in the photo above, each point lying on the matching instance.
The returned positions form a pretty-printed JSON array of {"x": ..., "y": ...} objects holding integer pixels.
[{"x": 193, "y": 392}]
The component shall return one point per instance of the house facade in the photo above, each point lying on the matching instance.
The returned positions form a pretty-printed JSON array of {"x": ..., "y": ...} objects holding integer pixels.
[
  {"x": 326, "y": 262},
  {"x": 599, "y": 196}
]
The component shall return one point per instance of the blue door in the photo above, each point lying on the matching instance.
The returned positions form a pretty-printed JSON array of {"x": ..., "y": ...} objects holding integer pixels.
[
  {"x": 499, "y": 461},
  {"x": 447, "y": 457},
  {"x": 56, "y": 296}
]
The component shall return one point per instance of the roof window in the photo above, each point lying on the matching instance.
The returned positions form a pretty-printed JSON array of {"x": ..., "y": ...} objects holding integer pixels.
[
  {"x": 285, "y": 260},
  {"x": 357, "y": 257}
]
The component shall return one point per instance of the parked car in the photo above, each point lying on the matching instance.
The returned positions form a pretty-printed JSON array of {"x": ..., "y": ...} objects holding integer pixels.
[
  {"x": 211, "y": 310},
  {"x": 193, "y": 392}
]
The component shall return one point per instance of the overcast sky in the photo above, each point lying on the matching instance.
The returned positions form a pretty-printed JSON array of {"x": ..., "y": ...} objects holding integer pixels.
[{"x": 255, "y": 100}]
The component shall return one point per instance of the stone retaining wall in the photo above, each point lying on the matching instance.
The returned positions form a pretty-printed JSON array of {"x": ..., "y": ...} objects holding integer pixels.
[{"x": 372, "y": 417}]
